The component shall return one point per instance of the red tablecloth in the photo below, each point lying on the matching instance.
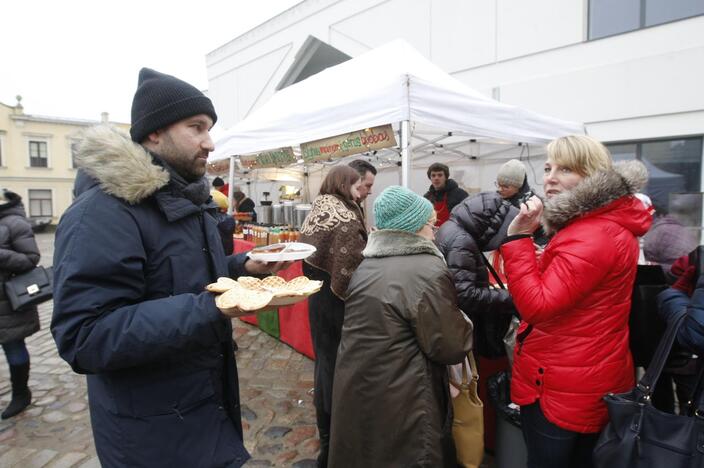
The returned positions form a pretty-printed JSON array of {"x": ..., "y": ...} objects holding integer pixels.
[{"x": 294, "y": 327}]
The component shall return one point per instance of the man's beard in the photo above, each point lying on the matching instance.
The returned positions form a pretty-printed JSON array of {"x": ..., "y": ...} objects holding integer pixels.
[{"x": 181, "y": 162}]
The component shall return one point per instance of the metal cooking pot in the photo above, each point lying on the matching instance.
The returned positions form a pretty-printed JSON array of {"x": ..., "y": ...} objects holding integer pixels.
[
  {"x": 288, "y": 212},
  {"x": 264, "y": 214},
  {"x": 301, "y": 213},
  {"x": 277, "y": 212}
]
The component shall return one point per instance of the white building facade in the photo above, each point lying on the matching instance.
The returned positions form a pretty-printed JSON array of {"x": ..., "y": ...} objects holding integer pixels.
[{"x": 631, "y": 70}]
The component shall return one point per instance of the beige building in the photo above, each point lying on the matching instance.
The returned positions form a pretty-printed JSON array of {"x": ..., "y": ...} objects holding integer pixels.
[{"x": 36, "y": 158}]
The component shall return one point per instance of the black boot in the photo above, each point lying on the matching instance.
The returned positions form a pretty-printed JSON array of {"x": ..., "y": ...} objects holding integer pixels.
[
  {"x": 21, "y": 396},
  {"x": 323, "y": 421}
]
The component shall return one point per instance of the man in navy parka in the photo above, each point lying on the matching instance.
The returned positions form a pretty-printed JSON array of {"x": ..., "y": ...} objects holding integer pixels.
[{"x": 133, "y": 255}]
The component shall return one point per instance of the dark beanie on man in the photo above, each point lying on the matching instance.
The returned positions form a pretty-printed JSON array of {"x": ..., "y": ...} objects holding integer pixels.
[{"x": 163, "y": 99}]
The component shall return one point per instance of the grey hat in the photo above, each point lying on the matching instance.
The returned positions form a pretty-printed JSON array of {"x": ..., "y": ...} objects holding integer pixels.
[{"x": 511, "y": 173}]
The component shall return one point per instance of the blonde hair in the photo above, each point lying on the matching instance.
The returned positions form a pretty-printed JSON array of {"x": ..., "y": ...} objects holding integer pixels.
[{"x": 580, "y": 153}]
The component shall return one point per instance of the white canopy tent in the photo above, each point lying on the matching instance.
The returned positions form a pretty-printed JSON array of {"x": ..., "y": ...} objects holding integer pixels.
[{"x": 392, "y": 84}]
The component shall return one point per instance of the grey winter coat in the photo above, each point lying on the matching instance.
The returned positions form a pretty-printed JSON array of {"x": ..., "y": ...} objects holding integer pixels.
[
  {"x": 391, "y": 404},
  {"x": 18, "y": 253},
  {"x": 133, "y": 255}
]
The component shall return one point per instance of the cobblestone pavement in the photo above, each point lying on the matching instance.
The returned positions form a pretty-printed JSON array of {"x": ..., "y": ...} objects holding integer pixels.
[{"x": 275, "y": 389}]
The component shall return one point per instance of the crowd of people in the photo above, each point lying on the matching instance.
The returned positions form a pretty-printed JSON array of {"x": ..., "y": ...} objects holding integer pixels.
[{"x": 400, "y": 302}]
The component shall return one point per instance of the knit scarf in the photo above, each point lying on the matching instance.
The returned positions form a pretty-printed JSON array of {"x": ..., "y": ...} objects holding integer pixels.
[
  {"x": 336, "y": 228},
  {"x": 197, "y": 191}
]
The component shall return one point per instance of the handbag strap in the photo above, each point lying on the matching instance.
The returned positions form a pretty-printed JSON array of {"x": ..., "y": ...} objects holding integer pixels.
[
  {"x": 647, "y": 383},
  {"x": 465, "y": 374},
  {"x": 696, "y": 395},
  {"x": 493, "y": 272},
  {"x": 473, "y": 366}
]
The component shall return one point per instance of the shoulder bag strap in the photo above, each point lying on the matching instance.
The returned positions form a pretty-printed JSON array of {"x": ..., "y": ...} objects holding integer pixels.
[
  {"x": 493, "y": 272},
  {"x": 657, "y": 363}
]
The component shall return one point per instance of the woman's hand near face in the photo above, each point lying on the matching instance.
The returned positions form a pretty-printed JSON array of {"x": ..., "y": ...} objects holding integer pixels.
[{"x": 528, "y": 220}]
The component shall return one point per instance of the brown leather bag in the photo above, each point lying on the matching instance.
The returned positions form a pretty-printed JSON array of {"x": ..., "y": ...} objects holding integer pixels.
[{"x": 468, "y": 423}]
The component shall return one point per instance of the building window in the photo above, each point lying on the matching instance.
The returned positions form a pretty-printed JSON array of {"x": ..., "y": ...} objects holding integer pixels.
[
  {"x": 40, "y": 204},
  {"x": 609, "y": 17},
  {"x": 38, "y": 154},
  {"x": 674, "y": 165},
  {"x": 74, "y": 151}
]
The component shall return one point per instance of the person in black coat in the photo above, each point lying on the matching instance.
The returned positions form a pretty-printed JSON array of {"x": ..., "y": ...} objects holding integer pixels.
[
  {"x": 443, "y": 193},
  {"x": 479, "y": 224},
  {"x": 226, "y": 223},
  {"x": 244, "y": 204},
  {"x": 512, "y": 185},
  {"x": 133, "y": 254},
  {"x": 18, "y": 254}
]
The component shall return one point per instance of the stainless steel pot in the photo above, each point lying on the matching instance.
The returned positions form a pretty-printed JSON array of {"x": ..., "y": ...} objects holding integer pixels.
[
  {"x": 288, "y": 212},
  {"x": 301, "y": 213},
  {"x": 264, "y": 213},
  {"x": 277, "y": 212}
]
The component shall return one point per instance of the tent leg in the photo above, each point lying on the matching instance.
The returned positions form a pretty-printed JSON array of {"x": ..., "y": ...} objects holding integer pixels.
[
  {"x": 405, "y": 155},
  {"x": 231, "y": 191}
]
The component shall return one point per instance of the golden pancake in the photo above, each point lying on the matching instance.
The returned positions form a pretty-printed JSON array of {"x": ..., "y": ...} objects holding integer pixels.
[
  {"x": 229, "y": 299},
  {"x": 298, "y": 283},
  {"x": 250, "y": 282},
  {"x": 249, "y": 299},
  {"x": 222, "y": 285},
  {"x": 273, "y": 282}
]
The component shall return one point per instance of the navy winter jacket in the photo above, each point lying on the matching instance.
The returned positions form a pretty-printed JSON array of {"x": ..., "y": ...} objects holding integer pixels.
[
  {"x": 132, "y": 257},
  {"x": 691, "y": 333}
]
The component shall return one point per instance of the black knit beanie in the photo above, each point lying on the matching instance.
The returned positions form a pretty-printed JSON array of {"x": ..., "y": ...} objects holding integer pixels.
[{"x": 161, "y": 100}]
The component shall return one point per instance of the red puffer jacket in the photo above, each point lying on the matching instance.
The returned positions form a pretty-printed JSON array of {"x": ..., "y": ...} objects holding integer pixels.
[{"x": 577, "y": 299}]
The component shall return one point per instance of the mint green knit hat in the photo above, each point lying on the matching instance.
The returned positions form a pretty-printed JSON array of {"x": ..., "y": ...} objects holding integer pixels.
[{"x": 399, "y": 208}]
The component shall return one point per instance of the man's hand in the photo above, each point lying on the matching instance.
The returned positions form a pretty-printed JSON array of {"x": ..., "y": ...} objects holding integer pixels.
[
  {"x": 528, "y": 220},
  {"x": 257, "y": 267}
]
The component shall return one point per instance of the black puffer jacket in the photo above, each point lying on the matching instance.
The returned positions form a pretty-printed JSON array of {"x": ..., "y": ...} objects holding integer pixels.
[
  {"x": 18, "y": 253},
  {"x": 475, "y": 225}
]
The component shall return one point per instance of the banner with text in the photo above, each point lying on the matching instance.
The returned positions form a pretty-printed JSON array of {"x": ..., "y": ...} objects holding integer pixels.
[
  {"x": 274, "y": 158},
  {"x": 350, "y": 143}
]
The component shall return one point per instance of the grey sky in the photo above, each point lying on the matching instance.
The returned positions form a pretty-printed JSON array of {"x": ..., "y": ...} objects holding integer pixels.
[{"x": 78, "y": 58}]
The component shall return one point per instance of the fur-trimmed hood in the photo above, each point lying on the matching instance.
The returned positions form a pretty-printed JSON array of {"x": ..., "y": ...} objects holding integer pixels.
[
  {"x": 121, "y": 167},
  {"x": 392, "y": 243},
  {"x": 596, "y": 191}
]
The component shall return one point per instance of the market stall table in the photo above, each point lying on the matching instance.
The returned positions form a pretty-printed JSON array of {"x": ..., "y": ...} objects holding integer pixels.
[{"x": 290, "y": 323}]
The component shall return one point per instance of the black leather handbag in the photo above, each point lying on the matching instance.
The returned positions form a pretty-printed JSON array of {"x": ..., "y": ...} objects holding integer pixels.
[
  {"x": 30, "y": 288},
  {"x": 640, "y": 436}
]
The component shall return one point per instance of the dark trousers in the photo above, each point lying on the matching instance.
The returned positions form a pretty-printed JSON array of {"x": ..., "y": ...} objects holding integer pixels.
[
  {"x": 16, "y": 353},
  {"x": 326, "y": 314},
  {"x": 550, "y": 446}
]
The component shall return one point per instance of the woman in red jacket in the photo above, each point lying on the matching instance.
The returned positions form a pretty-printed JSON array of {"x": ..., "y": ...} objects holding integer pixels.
[{"x": 572, "y": 345}]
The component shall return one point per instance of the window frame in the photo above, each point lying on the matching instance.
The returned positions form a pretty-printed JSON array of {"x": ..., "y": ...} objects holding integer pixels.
[
  {"x": 641, "y": 26},
  {"x": 639, "y": 149},
  {"x": 71, "y": 142},
  {"x": 51, "y": 203},
  {"x": 33, "y": 139}
]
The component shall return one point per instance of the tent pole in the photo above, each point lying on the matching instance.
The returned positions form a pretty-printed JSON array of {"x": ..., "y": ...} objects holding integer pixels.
[
  {"x": 231, "y": 182},
  {"x": 405, "y": 155}
]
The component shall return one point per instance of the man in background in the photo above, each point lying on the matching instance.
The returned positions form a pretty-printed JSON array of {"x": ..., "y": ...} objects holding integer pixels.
[
  {"x": 444, "y": 193},
  {"x": 367, "y": 172}
]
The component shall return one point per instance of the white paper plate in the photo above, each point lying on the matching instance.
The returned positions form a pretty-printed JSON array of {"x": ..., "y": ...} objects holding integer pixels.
[{"x": 294, "y": 251}]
